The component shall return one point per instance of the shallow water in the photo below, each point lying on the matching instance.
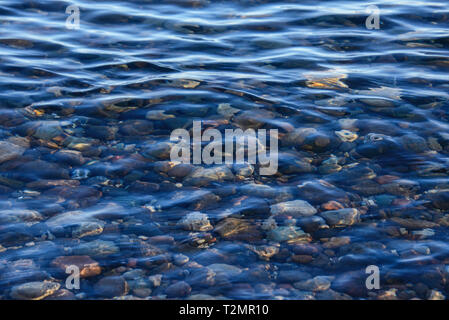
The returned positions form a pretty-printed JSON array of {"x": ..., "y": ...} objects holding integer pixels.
[{"x": 86, "y": 116}]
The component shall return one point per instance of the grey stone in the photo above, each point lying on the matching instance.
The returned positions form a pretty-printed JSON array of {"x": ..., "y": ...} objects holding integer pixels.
[
  {"x": 295, "y": 208},
  {"x": 196, "y": 221},
  {"x": 10, "y": 151},
  {"x": 37, "y": 290},
  {"x": 342, "y": 217}
]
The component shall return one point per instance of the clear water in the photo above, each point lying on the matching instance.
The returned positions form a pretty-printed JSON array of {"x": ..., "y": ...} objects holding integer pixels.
[{"x": 113, "y": 90}]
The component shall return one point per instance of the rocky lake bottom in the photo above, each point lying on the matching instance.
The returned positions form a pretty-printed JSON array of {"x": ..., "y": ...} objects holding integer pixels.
[{"x": 87, "y": 180}]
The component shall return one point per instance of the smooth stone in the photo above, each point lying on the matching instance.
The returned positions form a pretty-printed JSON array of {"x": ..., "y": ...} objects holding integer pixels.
[
  {"x": 227, "y": 270},
  {"x": 203, "y": 176},
  {"x": 179, "y": 289},
  {"x": 243, "y": 169},
  {"x": 96, "y": 248},
  {"x": 76, "y": 223},
  {"x": 312, "y": 224},
  {"x": 436, "y": 295},
  {"x": 414, "y": 223},
  {"x": 134, "y": 274},
  {"x": 111, "y": 286},
  {"x": 296, "y": 208},
  {"x": 439, "y": 198},
  {"x": 319, "y": 283},
  {"x": 346, "y": 135},
  {"x": 34, "y": 290},
  {"x": 288, "y": 234},
  {"x": 298, "y": 136},
  {"x": 136, "y": 128},
  {"x": 20, "y": 271},
  {"x": 10, "y": 151},
  {"x": 47, "y": 184},
  {"x": 180, "y": 171},
  {"x": 319, "y": 191},
  {"x": 253, "y": 119},
  {"x": 237, "y": 229},
  {"x": 265, "y": 252},
  {"x": 414, "y": 143},
  {"x": 155, "y": 280},
  {"x": 226, "y": 110},
  {"x": 196, "y": 221},
  {"x": 291, "y": 276},
  {"x": 159, "y": 150},
  {"x": 101, "y": 132},
  {"x": 342, "y": 217},
  {"x": 258, "y": 190},
  {"x": 71, "y": 157},
  {"x": 48, "y": 131},
  {"x": 87, "y": 266},
  {"x": 336, "y": 242},
  {"x": 158, "y": 115},
  {"x": 200, "y": 277},
  {"x": 180, "y": 259},
  {"x": 302, "y": 258},
  {"x": 61, "y": 294},
  {"x": 19, "y": 215}
]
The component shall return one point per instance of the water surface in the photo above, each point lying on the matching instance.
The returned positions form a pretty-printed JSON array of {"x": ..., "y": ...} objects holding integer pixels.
[{"x": 86, "y": 179}]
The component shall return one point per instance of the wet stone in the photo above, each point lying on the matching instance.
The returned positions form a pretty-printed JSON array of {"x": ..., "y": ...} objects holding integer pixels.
[
  {"x": 71, "y": 157},
  {"x": 296, "y": 208},
  {"x": 19, "y": 215},
  {"x": 346, "y": 135},
  {"x": 196, "y": 221},
  {"x": 136, "y": 128},
  {"x": 439, "y": 199},
  {"x": 237, "y": 229},
  {"x": 203, "y": 176},
  {"x": 101, "y": 132},
  {"x": 111, "y": 286},
  {"x": 179, "y": 289},
  {"x": 159, "y": 150},
  {"x": 319, "y": 283},
  {"x": 414, "y": 143},
  {"x": 317, "y": 192},
  {"x": 336, "y": 242},
  {"x": 291, "y": 276},
  {"x": 47, "y": 184},
  {"x": 265, "y": 252},
  {"x": 34, "y": 290},
  {"x": 180, "y": 259},
  {"x": 253, "y": 119},
  {"x": 414, "y": 223},
  {"x": 289, "y": 234},
  {"x": 48, "y": 131},
  {"x": 22, "y": 270},
  {"x": 39, "y": 169},
  {"x": 312, "y": 223},
  {"x": 87, "y": 266},
  {"x": 61, "y": 294},
  {"x": 243, "y": 170},
  {"x": 96, "y": 248},
  {"x": 10, "y": 151},
  {"x": 342, "y": 217},
  {"x": 225, "y": 270},
  {"x": 180, "y": 171}
]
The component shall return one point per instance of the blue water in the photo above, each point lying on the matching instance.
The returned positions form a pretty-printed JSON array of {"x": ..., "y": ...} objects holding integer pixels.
[{"x": 86, "y": 115}]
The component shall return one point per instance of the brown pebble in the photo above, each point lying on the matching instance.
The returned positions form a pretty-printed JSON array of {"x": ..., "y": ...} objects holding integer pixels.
[
  {"x": 332, "y": 205},
  {"x": 336, "y": 242},
  {"x": 302, "y": 258}
]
